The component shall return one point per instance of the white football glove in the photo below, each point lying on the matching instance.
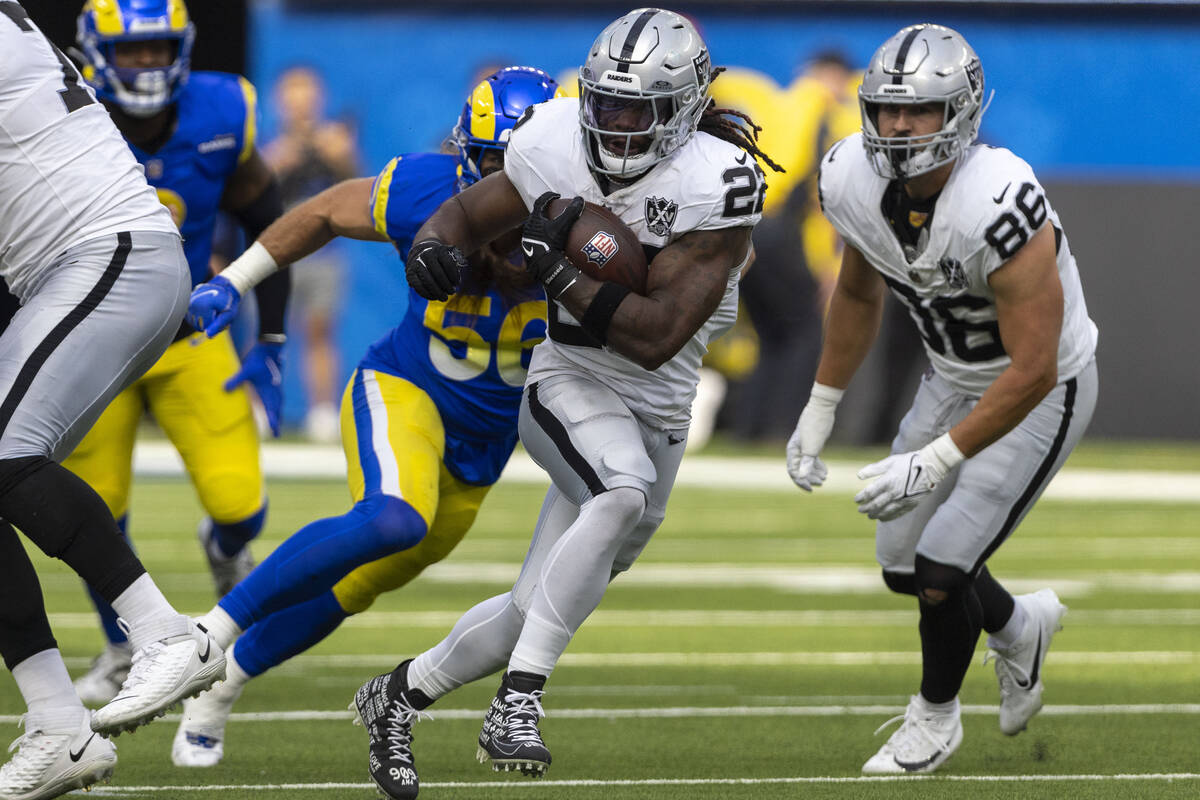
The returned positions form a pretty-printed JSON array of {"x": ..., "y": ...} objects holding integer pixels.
[
  {"x": 812, "y": 430},
  {"x": 902, "y": 481}
]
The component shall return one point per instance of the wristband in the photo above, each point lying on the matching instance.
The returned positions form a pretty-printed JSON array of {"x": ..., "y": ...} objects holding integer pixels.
[
  {"x": 250, "y": 268},
  {"x": 941, "y": 455},
  {"x": 561, "y": 276},
  {"x": 826, "y": 396},
  {"x": 600, "y": 311}
]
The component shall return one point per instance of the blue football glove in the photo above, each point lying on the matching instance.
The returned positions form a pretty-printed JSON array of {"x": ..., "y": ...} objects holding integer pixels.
[
  {"x": 263, "y": 368},
  {"x": 213, "y": 306}
]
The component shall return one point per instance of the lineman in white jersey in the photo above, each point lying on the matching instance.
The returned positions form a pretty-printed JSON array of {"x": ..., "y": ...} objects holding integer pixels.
[
  {"x": 606, "y": 405},
  {"x": 98, "y": 267},
  {"x": 964, "y": 236}
]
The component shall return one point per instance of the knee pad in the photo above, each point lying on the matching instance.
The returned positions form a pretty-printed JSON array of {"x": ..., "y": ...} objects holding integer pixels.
[
  {"x": 623, "y": 505},
  {"x": 393, "y": 524},
  {"x": 229, "y": 495},
  {"x": 940, "y": 577},
  {"x": 901, "y": 582}
]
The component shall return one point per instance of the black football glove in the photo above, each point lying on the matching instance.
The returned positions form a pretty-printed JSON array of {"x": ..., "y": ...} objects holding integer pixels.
[
  {"x": 543, "y": 241},
  {"x": 433, "y": 269}
]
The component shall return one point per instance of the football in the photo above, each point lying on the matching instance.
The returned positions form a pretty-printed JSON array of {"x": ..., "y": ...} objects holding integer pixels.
[{"x": 604, "y": 248}]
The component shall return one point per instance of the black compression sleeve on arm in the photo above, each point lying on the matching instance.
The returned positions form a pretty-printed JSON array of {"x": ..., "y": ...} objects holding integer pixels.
[
  {"x": 272, "y": 293},
  {"x": 600, "y": 311}
]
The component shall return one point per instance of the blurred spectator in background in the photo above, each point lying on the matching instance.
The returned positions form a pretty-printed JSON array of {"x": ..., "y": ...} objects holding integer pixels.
[
  {"x": 784, "y": 293},
  {"x": 310, "y": 154}
]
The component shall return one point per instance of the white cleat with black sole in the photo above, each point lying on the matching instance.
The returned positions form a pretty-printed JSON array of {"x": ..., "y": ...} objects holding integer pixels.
[
  {"x": 164, "y": 673},
  {"x": 51, "y": 764},
  {"x": 1019, "y": 667},
  {"x": 922, "y": 743}
]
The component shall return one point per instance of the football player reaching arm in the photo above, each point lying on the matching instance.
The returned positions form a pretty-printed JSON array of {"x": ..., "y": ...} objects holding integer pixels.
[
  {"x": 341, "y": 210},
  {"x": 685, "y": 281}
]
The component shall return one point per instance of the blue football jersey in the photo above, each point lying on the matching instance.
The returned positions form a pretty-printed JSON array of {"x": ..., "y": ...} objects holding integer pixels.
[
  {"x": 470, "y": 353},
  {"x": 214, "y": 133}
]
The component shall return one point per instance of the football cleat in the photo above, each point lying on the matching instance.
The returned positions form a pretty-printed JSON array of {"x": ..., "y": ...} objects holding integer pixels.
[
  {"x": 164, "y": 672},
  {"x": 510, "y": 738},
  {"x": 387, "y": 708},
  {"x": 1019, "y": 667},
  {"x": 922, "y": 743},
  {"x": 227, "y": 571},
  {"x": 200, "y": 739},
  {"x": 51, "y": 764},
  {"x": 104, "y": 677}
]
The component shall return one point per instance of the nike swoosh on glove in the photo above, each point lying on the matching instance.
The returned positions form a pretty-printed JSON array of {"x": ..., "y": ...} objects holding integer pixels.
[
  {"x": 433, "y": 269},
  {"x": 212, "y": 306},
  {"x": 263, "y": 369},
  {"x": 902, "y": 481}
]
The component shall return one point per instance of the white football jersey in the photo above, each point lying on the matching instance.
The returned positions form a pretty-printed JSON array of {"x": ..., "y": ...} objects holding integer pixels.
[
  {"x": 66, "y": 175},
  {"x": 705, "y": 185},
  {"x": 989, "y": 208}
]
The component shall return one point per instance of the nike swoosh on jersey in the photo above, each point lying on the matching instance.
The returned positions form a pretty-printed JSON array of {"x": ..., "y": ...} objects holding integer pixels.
[
  {"x": 741, "y": 159},
  {"x": 997, "y": 200},
  {"x": 75, "y": 756}
]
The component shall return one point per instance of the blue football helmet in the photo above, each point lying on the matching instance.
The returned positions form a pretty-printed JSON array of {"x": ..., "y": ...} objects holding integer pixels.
[
  {"x": 492, "y": 110},
  {"x": 138, "y": 92}
]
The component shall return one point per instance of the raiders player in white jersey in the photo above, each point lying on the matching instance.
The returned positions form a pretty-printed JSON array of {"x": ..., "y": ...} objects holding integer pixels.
[
  {"x": 606, "y": 405},
  {"x": 964, "y": 236},
  {"x": 98, "y": 267}
]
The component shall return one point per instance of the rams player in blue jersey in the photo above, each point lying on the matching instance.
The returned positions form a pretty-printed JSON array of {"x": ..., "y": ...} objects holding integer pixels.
[
  {"x": 428, "y": 419},
  {"x": 195, "y": 136}
]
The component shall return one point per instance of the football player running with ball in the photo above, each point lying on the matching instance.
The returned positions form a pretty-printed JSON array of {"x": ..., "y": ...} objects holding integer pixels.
[
  {"x": 606, "y": 405},
  {"x": 428, "y": 420},
  {"x": 964, "y": 236}
]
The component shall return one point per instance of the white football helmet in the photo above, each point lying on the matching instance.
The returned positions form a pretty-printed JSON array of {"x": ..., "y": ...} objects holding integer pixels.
[
  {"x": 642, "y": 91},
  {"x": 922, "y": 64}
]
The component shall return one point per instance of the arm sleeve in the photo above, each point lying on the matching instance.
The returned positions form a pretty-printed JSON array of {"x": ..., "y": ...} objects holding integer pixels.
[{"x": 272, "y": 293}]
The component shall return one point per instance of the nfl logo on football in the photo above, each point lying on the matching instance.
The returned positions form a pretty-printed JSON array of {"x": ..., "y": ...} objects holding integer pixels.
[{"x": 601, "y": 248}]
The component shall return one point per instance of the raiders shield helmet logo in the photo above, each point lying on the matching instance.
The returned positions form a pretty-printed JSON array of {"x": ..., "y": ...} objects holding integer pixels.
[
  {"x": 952, "y": 269},
  {"x": 660, "y": 215}
]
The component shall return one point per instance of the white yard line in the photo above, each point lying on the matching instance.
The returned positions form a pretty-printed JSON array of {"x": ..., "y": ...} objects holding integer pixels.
[
  {"x": 304, "y": 664},
  {"x": 525, "y": 786},
  {"x": 704, "y": 618},
  {"x": 158, "y": 458},
  {"x": 689, "y": 712}
]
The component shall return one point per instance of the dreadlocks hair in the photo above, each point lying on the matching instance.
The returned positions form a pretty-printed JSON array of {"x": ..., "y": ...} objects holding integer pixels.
[{"x": 716, "y": 122}]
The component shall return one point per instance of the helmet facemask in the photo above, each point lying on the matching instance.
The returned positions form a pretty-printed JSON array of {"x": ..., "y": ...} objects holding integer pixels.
[
  {"x": 922, "y": 65},
  {"x": 629, "y": 131}
]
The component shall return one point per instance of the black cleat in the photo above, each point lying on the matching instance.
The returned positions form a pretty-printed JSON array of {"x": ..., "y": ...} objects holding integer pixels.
[
  {"x": 510, "y": 738},
  {"x": 387, "y": 708}
]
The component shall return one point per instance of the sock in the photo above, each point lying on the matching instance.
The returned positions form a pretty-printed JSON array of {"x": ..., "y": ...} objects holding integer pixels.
[
  {"x": 478, "y": 645},
  {"x": 321, "y": 553},
  {"x": 235, "y": 675},
  {"x": 48, "y": 693},
  {"x": 287, "y": 633},
  {"x": 1007, "y": 636},
  {"x": 147, "y": 613},
  {"x": 949, "y": 707},
  {"x": 108, "y": 617},
  {"x": 220, "y": 626},
  {"x": 230, "y": 537}
]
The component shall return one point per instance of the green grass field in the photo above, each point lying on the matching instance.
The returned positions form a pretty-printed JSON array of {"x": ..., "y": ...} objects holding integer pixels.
[{"x": 751, "y": 653}]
